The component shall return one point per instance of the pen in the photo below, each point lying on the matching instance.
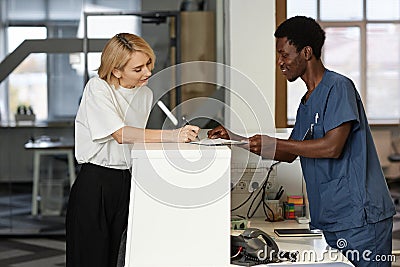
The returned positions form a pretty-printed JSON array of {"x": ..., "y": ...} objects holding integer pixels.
[
  {"x": 185, "y": 120},
  {"x": 187, "y": 123},
  {"x": 278, "y": 194}
]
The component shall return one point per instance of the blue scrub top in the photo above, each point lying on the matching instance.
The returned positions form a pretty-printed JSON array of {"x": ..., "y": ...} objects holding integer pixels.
[{"x": 350, "y": 191}]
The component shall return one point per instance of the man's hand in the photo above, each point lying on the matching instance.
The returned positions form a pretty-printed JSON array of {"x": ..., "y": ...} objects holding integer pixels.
[
  {"x": 218, "y": 132},
  {"x": 262, "y": 145}
]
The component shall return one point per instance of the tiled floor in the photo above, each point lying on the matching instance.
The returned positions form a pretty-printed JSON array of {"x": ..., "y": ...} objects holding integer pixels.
[
  {"x": 32, "y": 252},
  {"x": 20, "y": 245}
]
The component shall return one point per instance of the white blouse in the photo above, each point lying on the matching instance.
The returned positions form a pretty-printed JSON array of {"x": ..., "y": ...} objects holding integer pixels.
[{"x": 102, "y": 111}]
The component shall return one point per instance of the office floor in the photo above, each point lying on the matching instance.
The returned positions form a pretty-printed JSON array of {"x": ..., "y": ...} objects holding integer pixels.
[
  {"x": 49, "y": 251},
  {"x": 32, "y": 252},
  {"x": 15, "y": 212}
]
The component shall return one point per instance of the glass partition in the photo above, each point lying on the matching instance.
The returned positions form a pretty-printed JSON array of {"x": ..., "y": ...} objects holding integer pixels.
[{"x": 51, "y": 86}]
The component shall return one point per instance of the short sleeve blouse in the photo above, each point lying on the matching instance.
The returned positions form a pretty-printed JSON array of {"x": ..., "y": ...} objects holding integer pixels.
[{"x": 102, "y": 111}]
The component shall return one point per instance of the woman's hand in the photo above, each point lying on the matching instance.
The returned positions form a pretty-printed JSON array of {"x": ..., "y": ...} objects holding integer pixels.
[
  {"x": 186, "y": 134},
  {"x": 218, "y": 132}
]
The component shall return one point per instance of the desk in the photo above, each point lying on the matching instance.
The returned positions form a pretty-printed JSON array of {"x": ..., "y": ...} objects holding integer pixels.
[
  {"x": 179, "y": 210},
  {"x": 54, "y": 148},
  {"x": 304, "y": 245}
]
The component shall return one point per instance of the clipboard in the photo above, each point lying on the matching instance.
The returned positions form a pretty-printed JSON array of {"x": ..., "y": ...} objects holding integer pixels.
[
  {"x": 297, "y": 232},
  {"x": 218, "y": 142}
]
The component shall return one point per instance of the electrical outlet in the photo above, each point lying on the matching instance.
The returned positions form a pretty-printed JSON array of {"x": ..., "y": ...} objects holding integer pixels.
[
  {"x": 269, "y": 185},
  {"x": 271, "y": 180},
  {"x": 241, "y": 187},
  {"x": 251, "y": 179},
  {"x": 258, "y": 179}
]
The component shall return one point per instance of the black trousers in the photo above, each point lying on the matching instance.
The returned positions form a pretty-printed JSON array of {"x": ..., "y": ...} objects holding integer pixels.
[{"x": 97, "y": 215}]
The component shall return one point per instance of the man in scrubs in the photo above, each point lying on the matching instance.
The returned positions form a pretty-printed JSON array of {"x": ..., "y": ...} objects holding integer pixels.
[{"x": 348, "y": 195}]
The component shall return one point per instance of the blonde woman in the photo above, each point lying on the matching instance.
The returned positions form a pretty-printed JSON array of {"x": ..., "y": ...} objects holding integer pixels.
[{"x": 113, "y": 112}]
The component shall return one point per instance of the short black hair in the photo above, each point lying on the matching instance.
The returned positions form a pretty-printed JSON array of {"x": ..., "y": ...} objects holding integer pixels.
[{"x": 302, "y": 31}]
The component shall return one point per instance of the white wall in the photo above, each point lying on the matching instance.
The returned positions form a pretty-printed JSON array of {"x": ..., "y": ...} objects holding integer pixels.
[{"x": 250, "y": 48}]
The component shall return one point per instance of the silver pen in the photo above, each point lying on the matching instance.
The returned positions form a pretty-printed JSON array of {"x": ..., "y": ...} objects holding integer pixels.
[
  {"x": 188, "y": 123},
  {"x": 185, "y": 120}
]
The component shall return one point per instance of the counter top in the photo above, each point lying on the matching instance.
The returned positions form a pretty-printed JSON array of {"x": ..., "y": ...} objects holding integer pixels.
[{"x": 178, "y": 150}]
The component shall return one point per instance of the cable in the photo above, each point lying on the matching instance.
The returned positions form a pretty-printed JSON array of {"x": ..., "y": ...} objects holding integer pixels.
[
  {"x": 244, "y": 202},
  {"x": 263, "y": 196},
  {"x": 237, "y": 254},
  {"x": 262, "y": 201}
]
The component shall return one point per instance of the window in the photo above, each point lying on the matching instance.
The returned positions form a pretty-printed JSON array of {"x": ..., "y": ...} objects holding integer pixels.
[
  {"x": 363, "y": 43},
  {"x": 28, "y": 82},
  {"x": 105, "y": 26},
  {"x": 51, "y": 84}
]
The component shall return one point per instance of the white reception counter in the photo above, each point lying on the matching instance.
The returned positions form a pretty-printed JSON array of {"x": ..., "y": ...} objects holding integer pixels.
[{"x": 179, "y": 211}]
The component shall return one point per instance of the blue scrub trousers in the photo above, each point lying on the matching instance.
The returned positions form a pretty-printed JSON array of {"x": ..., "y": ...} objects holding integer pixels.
[{"x": 369, "y": 245}]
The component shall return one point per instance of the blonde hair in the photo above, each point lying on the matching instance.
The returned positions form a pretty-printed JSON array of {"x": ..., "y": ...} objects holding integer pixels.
[{"x": 117, "y": 53}]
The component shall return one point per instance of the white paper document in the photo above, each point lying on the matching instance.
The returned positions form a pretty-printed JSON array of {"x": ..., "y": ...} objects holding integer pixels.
[{"x": 218, "y": 142}]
